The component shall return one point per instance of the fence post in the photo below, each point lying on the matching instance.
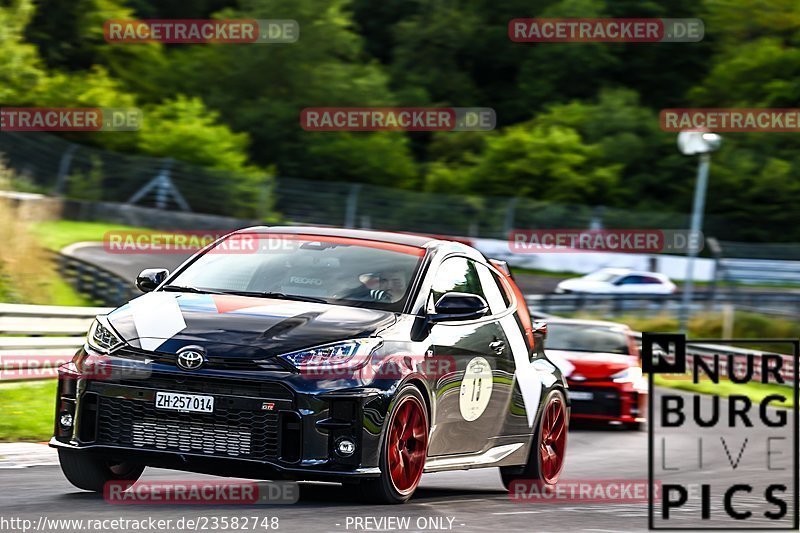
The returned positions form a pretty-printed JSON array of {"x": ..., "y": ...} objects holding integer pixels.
[
  {"x": 596, "y": 223},
  {"x": 351, "y": 209},
  {"x": 727, "y": 321},
  {"x": 511, "y": 211},
  {"x": 63, "y": 169}
]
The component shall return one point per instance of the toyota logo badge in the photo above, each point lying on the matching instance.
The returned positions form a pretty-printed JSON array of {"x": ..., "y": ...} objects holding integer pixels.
[{"x": 190, "y": 359}]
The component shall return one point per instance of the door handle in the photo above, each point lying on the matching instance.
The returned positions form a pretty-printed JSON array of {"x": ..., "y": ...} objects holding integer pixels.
[{"x": 497, "y": 346}]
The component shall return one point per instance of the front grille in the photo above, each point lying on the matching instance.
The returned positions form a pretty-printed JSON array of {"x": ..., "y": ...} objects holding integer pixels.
[
  {"x": 604, "y": 402},
  {"x": 225, "y": 432}
]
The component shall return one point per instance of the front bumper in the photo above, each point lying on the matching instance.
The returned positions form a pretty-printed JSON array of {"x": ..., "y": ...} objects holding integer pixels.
[
  {"x": 606, "y": 400},
  {"x": 273, "y": 425}
]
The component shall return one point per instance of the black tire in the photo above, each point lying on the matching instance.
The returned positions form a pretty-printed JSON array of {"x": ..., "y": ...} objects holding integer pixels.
[
  {"x": 88, "y": 472},
  {"x": 382, "y": 490},
  {"x": 532, "y": 470}
]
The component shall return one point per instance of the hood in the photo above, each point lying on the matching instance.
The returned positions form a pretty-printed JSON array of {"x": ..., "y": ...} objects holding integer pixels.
[
  {"x": 594, "y": 365},
  {"x": 239, "y": 326}
]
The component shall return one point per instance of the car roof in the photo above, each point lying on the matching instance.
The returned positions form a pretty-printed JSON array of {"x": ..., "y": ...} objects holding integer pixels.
[
  {"x": 408, "y": 239},
  {"x": 578, "y": 321}
]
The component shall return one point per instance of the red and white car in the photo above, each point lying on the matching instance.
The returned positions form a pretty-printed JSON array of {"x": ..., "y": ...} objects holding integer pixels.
[{"x": 603, "y": 368}]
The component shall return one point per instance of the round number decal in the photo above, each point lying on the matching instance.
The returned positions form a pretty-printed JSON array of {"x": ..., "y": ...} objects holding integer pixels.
[{"x": 476, "y": 389}]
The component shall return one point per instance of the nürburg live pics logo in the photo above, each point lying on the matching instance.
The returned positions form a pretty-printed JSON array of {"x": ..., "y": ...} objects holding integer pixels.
[{"x": 723, "y": 433}]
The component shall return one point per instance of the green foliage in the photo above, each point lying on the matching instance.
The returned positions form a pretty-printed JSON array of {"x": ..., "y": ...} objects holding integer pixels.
[
  {"x": 88, "y": 186},
  {"x": 186, "y": 130},
  {"x": 21, "y": 68}
]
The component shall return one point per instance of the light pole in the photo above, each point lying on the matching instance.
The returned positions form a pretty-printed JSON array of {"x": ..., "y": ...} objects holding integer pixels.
[{"x": 702, "y": 144}]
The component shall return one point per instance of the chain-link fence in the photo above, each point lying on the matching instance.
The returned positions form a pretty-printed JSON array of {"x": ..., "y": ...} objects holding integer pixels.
[{"x": 50, "y": 164}]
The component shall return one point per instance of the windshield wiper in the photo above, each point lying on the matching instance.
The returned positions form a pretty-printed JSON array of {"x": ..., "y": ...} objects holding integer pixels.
[
  {"x": 195, "y": 290},
  {"x": 278, "y": 296}
]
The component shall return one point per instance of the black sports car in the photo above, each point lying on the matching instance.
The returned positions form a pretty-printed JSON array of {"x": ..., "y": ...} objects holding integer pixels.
[{"x": 316, "y": 354}]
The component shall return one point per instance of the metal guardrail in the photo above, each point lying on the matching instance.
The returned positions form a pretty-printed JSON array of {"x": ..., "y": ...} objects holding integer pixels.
[
  {"x": 764, "y": 271},
  {"x": 99, "y": 284},
  {"x": 778, "y": 303},
  {"x": 36, "y": 339}
]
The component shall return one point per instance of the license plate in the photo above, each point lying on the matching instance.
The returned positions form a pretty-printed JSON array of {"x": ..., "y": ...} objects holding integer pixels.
[
  {"x": 185, "y": 402},
  {"x": 581, "y": 396}
]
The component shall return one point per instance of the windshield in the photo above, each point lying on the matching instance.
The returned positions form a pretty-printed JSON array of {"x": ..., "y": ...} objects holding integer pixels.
[
  {"x": 335, "y": 270},
  {"x": 586, "y": 338},
  {"x": 602, "y": 275}
]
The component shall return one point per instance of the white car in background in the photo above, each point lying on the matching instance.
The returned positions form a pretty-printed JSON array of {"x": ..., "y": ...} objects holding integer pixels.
[{"x": 618, "y": 281}]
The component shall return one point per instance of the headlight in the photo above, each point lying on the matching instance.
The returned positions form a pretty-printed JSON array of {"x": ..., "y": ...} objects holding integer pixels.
[
  {"x": 630, "y": 375},
  {"x": 336, "y": 354},
  {"x": 101, "y": 336}
]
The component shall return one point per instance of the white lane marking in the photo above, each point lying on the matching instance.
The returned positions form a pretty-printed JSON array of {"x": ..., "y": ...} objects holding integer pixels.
[
  {"x": 157, "y": 317},
  {"x": 521, "y": 512},
  {"x": 26, "y": 454}
]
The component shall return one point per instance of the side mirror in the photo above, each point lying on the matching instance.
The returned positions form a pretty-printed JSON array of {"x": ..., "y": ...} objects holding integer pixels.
[
  {"x": 151, "y": 278},
  {"x": 459, "y": 306}
]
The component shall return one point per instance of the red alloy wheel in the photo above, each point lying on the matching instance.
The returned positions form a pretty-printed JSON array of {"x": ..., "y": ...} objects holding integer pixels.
[
  {"x": 407, "y": 445},
  {"x": 554, "y": 440}
]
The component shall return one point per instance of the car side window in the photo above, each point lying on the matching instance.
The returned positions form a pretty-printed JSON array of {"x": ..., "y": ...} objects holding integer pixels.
[
  {"x": 649, "y": 280},
  {"x": 639, "y": 280},
  {"x": 495, "y": 295},
  {"x": 455, "y": 274}
]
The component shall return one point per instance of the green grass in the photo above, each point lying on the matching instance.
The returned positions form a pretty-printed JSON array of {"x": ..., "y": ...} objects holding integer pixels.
[
  {"x": 62, "y": 293},
  {"x": 56, "y": 234},
  {"x": 27, "y": 409},
  {"x": 725, "y": 388}
]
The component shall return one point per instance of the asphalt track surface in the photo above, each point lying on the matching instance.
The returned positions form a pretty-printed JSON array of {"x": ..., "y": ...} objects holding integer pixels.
[{"x": 462, "y": 501}]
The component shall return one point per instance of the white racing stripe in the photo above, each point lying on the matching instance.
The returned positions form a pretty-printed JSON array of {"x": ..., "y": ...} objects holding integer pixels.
[
  {"x": 527, "y": 376},
  {"x": 157, "y": 317}
]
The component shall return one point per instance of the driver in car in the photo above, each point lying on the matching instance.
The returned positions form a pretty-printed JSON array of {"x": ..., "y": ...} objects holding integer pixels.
[{"x": 386, "y": 286}]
